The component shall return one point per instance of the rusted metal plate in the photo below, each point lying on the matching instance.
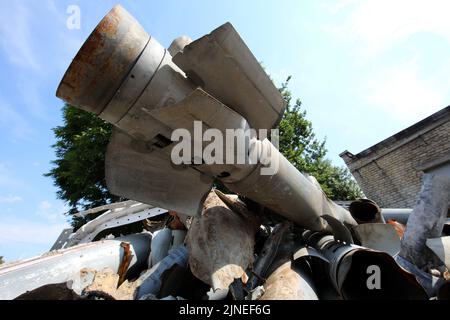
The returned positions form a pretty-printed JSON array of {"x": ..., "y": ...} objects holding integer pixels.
[{"x": 426, "y": 221}]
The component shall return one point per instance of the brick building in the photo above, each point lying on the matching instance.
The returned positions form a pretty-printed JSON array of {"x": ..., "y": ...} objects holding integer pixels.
[{"x": 390, "y": 171}]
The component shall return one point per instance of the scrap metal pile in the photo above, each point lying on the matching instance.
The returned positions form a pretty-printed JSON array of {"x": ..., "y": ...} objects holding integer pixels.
[{"x": 273, "y": 235}]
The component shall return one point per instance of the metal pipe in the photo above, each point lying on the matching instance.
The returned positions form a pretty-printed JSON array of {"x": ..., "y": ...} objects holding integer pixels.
[
  {"x": 366, "y": 211},
  {"x": 426, "y": 221},
  {"x": 350, "y": 268}
]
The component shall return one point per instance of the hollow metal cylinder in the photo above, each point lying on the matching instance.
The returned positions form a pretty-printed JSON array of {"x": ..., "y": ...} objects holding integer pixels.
[{"x": 121, "y": 70}]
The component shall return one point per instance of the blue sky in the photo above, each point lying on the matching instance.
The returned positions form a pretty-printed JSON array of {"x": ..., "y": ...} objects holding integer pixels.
[{"x": 363, "y": 69}]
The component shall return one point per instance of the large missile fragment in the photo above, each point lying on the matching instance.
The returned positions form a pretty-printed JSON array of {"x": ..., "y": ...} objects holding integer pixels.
[{"x": 128, "y": 79}]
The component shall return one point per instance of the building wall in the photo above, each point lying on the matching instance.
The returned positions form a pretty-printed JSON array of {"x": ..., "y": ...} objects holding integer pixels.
[{"x": 390, "y": 172}]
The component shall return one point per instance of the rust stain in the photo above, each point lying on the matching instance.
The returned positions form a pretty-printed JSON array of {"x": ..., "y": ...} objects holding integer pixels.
[
  {"x": 110, "y": 23},
  {"x": 399, "y": 228},
  {"x": 89, "y": 54},
  {"x": 125, "y": 263}
]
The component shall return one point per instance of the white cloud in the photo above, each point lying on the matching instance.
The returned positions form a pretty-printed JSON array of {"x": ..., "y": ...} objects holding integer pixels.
[
  {"x": 10, "y": 199},
  {"x": 22, "y": 237},
  {"x": 12, "y": 123},
  {"x": 16, "y": 35},
  {"x": 404, "y": 93},
  {"x": 335, "y": 7},
  {"x": 279, "y": 76},
  {"x": 21, "y": 25},
  {"x": 51, "y": 212},
  {"x": 375, "y": 26},
  {"x": 24, "y": 231},
  {"x": 372, "y": 33},
  {"x": 7, "y": 179}
]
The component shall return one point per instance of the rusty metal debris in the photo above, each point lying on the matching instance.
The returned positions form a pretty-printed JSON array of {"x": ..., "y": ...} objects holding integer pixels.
[{"x": 274, "y": 236}]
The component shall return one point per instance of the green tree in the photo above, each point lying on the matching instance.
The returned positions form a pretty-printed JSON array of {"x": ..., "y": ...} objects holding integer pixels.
[
  {"x": 79, "y": 170},
  {"x": 1, "y": 260},
  {"x": 300, "y": 146}
]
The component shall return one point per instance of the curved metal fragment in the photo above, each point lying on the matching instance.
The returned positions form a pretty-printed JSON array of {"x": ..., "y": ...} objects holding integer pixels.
[
  {"x": 378, "y": 236},
  {"x": 289, "y": 282},
  {"x": 220, "y": 243}
]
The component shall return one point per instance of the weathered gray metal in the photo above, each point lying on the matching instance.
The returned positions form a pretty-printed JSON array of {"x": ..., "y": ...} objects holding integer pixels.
[
  {"x": 65, "y": 265},
  {"x": 288, "y": 191},
  {"x": 225, "y": 67},
  {"x": 116, "y": 217},
  {"x": 429, "y": 282},
  {"x": 267, "y": 255},
  {"x": 178, "y": 45},
  {"x": 150, "y": 281},
  {"x": 426, "y": 221},
  {"x": 441, "y": 247},
  {"x": 378, "y": 236},
  {"x": 135, "y": 172},
  {"x": 61, "y": 241}
]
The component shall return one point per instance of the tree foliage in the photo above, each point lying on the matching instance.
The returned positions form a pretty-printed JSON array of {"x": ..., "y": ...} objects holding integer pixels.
[
  {"x": 300, "y": 146},
  {"x": 79, "y": 168}
]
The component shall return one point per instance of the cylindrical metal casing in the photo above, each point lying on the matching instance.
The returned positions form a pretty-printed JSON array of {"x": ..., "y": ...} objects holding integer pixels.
[{"x": 119, "y": 71}]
